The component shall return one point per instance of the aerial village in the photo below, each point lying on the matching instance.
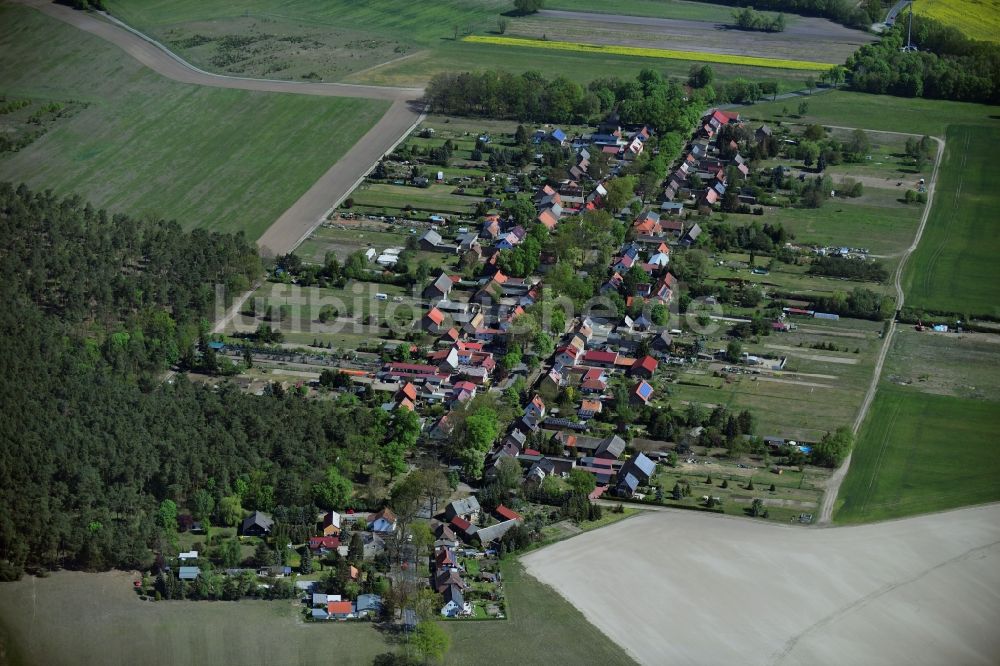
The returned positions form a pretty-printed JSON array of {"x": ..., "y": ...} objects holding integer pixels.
[{"x": 542, "y": 302}]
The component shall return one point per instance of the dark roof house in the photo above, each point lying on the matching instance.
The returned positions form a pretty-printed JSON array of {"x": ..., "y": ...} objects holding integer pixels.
[{"x": 257, "y": 524}]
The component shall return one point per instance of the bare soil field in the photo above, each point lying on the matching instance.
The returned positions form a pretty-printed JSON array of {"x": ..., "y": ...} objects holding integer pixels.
[
  {"x": 805, "y": 38},
  {"x": 683, "y": 588}
]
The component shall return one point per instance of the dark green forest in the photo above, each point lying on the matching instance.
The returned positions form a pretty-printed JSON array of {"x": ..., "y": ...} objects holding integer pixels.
[{"x": 92, "y": 440}]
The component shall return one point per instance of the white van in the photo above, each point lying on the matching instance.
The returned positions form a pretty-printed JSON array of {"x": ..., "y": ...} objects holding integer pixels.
[{"x": 381, "y": 297}]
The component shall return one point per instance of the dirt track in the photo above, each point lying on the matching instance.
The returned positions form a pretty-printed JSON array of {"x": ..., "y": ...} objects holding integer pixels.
[
  {"x": 675, "y": 587},
  {"x": 305, "y": 214}
]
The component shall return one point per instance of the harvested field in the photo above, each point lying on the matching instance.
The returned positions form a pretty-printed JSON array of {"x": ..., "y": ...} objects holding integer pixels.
[
  {"x": 857, "y": 595},
  {"x": 805, "y": 38}
]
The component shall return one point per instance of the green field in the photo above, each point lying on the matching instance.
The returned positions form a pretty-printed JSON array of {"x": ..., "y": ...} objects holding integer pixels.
[
  {"x": 919, "y": 452},
  {"x": 432, "y": 199},
  {"x": 955, "y": 268},
  {"x": 876, "y": 112},
  {"x": 347, "y": 40},
  {"x": 76, "y": 618},
  {"x": 219, "y": 159}
]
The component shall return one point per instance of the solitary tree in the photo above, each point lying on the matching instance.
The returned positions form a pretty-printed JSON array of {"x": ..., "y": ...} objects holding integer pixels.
[
  {"x": 306, "y": 563},
  {"x": 431, "y": 641}
]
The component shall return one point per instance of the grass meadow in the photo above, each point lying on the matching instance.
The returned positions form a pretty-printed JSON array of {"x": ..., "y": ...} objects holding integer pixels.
[
  {"x": 876, "y": 112},
  {"x": 918, "y": 452},
  {"x": 955, "y": 268},
  {"x": 82, "y": 619},
  {"x": 226, "y": 160}
]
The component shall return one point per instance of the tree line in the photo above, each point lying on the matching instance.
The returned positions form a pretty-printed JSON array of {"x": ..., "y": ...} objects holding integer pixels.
[
  {"x": 648, "y": 99},
  {"x": 948, "y": 65}
]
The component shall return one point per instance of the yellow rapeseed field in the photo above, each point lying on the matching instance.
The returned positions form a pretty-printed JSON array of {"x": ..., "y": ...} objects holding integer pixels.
[
  {"x": 639, "y": 51},
  {"x": 979, "y": 19}
]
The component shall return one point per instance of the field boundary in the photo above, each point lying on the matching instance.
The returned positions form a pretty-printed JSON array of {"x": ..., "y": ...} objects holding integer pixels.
[
  {"x": 833, "y": 488},
  {"x": 649, "y": 52}
]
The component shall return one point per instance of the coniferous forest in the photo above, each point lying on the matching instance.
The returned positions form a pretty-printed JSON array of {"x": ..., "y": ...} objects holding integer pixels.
[{"x": 92, "y": 439}]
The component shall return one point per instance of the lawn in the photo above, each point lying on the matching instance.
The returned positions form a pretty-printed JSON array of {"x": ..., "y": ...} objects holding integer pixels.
[
  {"x": 225, "y": 160},
  {"x": 955, "y": 267},
  {"x": 83, "y": 618},
  {"x": 919, "y": 452},
  {"x": 876, "y": 112}
]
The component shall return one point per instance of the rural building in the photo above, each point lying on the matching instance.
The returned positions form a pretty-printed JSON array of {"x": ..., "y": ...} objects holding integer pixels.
[{"x": 257, "y": 524}]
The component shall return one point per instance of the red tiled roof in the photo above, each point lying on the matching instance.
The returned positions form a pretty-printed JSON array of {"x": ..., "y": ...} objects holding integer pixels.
[
  {"x": 339, "y": 607},
  {"x": 596, "y": 356},
  {"x": 647, "y": 363},
  {"x": 461, "y": 523},
  {"x": 324, "y": 542},
  {"x": 508, "y": 514},
  {"x": 409, "y": 390},
  {"x": 435, "y": 316}
]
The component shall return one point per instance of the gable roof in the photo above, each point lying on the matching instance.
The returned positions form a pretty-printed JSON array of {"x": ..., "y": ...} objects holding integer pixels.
[
  {"x": 339, "y": 608},
  {"x": 612, "y": 446},
  {"x": 385, "y": 514},
  {"x": 435, "y": 316},
  {"x": 507, "y": 513},
  {"x": 258, "y": 519},
  {"x": 443, "y": 283},
  {"x": 432, "y": 237},
  {"x": 466, "y": 505},
  {"x": 647, "y": 363}
]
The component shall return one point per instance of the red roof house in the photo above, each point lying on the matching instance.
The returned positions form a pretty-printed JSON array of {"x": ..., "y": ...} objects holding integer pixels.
[{"x": 644, "y": 367}]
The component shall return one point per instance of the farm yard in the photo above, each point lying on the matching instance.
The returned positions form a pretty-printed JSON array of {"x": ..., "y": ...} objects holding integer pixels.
[
  {"x": 850, "y": 592},
  {"x": 135, "y": 123}
]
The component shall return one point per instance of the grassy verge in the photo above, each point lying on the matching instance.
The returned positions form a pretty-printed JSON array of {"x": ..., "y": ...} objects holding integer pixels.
[{"x": 225, "y": 160}]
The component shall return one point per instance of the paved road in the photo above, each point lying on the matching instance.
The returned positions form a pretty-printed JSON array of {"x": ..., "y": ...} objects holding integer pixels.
[
  {"x": 308, "y": 212},
  {"x": 833, "y": 485}
]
